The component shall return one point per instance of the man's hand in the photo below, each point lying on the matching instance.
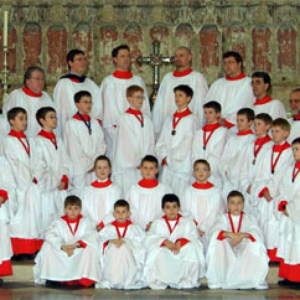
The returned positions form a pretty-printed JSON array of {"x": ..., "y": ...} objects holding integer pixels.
[
  {"x": 98, "y": 228},
  {"x": 117, "y": 242},
  {"x": 248, "y": 189},
  {"x": 1, "y": 201},
  {"x": 201, "y": 233},
  {"x": 177, "y": 248},
  {"x": 148, "y": 226},
  {"x": 286, "y": 213},
  {"x": 171, "y": 246},
  {"x": 61, "y": 186},
  {"x": 267, "y": 196}
]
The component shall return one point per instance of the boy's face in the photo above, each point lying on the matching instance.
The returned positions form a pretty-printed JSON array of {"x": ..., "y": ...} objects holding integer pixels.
[
  {"x": 259, "y": 87},
  {"x": 122, "y": 60},
  {"x": 235, "y": 205},
  {"x": 19, "y": 123},
  {"x": 136, "y": 100},
  {"x": 201, "y": 172},
  {"x": 181, "y": 100},
  {"x": 296, "y": 151},
  {"x": 50, "y": 120},
  {"x": 149, "y": 170},
  {"x": 243, "y": 123},
  {"x": 171, "y": 209},
  {"x": 72, "y": 211},
  {"x": 121, "y": 214},
  {"x": 102, "y": 169},
  {"x": 260, "y": 128},
  {"x": 84, "y": 105},
  {"x": 279, "y": 134},
  {"x": 211, "y": 116}
]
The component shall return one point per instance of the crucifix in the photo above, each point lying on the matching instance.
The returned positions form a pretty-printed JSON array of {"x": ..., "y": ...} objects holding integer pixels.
[{"x": 155, "y": 60}]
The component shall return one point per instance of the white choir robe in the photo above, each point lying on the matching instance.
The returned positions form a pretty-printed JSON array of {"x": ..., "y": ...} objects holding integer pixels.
[
  {"x": 122, "y": 267},
  {"x": 244, "y": 266},
  {"x": 54, "y": 264},
  {"x": 26, "y": 221},
  {"x": 63, "y": 96},
  {"x": 165, "y": 106},
  {"x": 162, "y": 267},
  {"x": 83, "y": 148},
  {"x": 213, "y": 152},
  {"x": 3, "y": 128},
  {"x": 7, "y": 191},
  {"x": 51, "y": 167},
  {"x": 204, "y": 203},
  {"x": 132, "y": 143},
  {"x": 289, "y": 227},
  {"x": 115, "y": 103},
  {"x": 178, "y": 150},
  {"x": 232, "y": 95},
  {"x": 295, "y": 130},
  {"x": 274, "y": 108},
  {"x": 145, "y": 202},
  {"x": 232, "y": 161},
  {"x": 98, "y": 201},
  {"x": 18, "y": 98}
]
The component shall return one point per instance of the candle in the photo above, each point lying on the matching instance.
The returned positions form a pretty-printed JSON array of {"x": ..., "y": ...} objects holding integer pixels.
[{"x": 5, "y": 29}]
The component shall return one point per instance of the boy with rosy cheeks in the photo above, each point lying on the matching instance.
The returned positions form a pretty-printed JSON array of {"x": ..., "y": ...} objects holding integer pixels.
[{"x": 236, "y": 256}]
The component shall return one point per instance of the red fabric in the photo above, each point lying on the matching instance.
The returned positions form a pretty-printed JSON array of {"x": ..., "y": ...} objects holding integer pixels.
[
  {"x": 82, "y": 243},
  {"x": 252, "y": 238},
  {"x": 261, "y": 193},
  {"x": 281, "y": 205},
  {"x": 99, "y": 185},
  {"x": 101, "y": 224},
  {"x": 211, "y": 127},
  {"x": 68, "y": 220},
  {"x": 115, "y": 126},
  {"x": 182, "y": 73},
  {"x": 121, "y": 225},
  {"x": 240, "y": 222},
  {"x": 272, "y": 255},
  {"x": 261, "y": 141},
  {"x": 182, "y": 241},
  {"x": 196, "y": 223},
  {"x": 228, "y": 124},
  {"x": 289, "y": 272},
  {"x": 83, "y": 281},
  {"x": 148, "y": 184},
  {"x": 137, "y": 113},
  {"x": 122, "y": 74},
  {"x": 105, "y": 244},
  {"x": 164, "y": 162},
  {"x": 85, "y": 117},
  {"x": 280, "y": 148},
  {"x": 34, "y": 180},
  {"x": 246, "y": 132},
  {"x": 50, "y": 136},
  {"x": 30, "y": 93},
  {"x": 168, "y": 224},
  {"x": 296, "y": 170},
  {"x": 163, "y": 243},
  {"x": 66, "y": 180},
  {"x": 26, "y": 246},
  {"x": 241, "y": 76},
  {"x": 74, "y": 78},
  {"x": 202, "y": 186},
  {"x": 221, "y": 236},
  {"x": 17, "y": 134},
  {"x": 264, "y": 100},
  {"x": 296, "y": 117},
  {"x": 4, "y": 195},
  {"x": 99, "y": 121},
  {"x": 5, "y": 268}
]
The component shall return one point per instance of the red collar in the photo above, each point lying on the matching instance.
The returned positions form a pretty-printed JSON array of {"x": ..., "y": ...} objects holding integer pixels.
[
  {"x": 149, "y": 184},
  {"x": 202, "y": 186},
  {"x": 240, "y": 222},
  {"x": 178, "y": 217},
  {"x": 246, "y": 132},
  {"x": 262, "y": 141},
  {"x": 133, "y": 111},
  {"x": 85, "y": 117},
  {"x": 297, "y": 165},
  {"x": 30, "y": 93},
  {"x": 98, "y": 184},
  {"x": 264, "y": 100},
  {"x": 182, "y": 73},
  {"x": 17, "y": 134},
  {"x": 241, "y": 76},
  {"x": 211, "y": 127},
  {"x": 121, "y": 225},
  {"x": 182, "y": 114},
  {"x": 47, "y": 135},
  {"x": 75, "y": 78},
  {"x": 296, "y": 117},
  {"x": 122, "y": 74},
  {"x": 280, "y": 148},
  {"x": 68, "y": 220}
]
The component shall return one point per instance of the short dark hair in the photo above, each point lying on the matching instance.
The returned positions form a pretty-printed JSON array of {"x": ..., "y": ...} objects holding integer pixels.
[
  {"x": 71, "y": 55},
  {"x": 235, "y": 55},
  {"x": 201, "y": 161},
  {"x": 73, "y": 200},
  {"x": 102, "y": 157},
  {"x": 121, "y": 203},
  {"x": 296, "y": 90},
  {"x": 265, "y": 76},
  {"x": 248, "y": 112},
  {"x": 282, "y": 123},
  {"x": 42, "y": 112},
  {"x": 79, "y": 95},
  {"x": 296, "y": 141},
  {"x": 169, "y": 198},
  {"x": 115, "y": 51},
  {"x": 266, "y": 118},
  {"x": 30, "y": 70},
  {"x": 185, "y": 89},
  {"x": 150, "y": 158},
  {"x": 134, "y": 89},
  {"x": 235, "y": 194},
  {"x": 216, "y": 106},
  {"x": 12, "y": 113}
]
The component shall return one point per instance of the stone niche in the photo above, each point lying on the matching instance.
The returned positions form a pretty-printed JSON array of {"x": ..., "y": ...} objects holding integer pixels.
[{"x": 265, "y": 32}]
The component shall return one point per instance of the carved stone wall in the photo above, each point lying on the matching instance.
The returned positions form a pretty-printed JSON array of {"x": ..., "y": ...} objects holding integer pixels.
[{"x": 265, "y": 32}]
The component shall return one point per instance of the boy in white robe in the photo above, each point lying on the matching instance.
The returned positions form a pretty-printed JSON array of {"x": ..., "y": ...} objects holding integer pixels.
[
  {"x": 123, "y": 251},
  {"x": 133, "y": 140},
  {"x": 145, "y": 196},
  {"x": 174, "y": 255},
  {"x": 210, "y": 141},
  {"x": 288, "y": 208},
  {"x": 70, "y": 254},
  {"x": 26, "y": 223},
  {"x": 202, "y": 200},
  {"x": 233, "y": 155},
  {"x": 236, "y": 256},
  {"x": 173, "y": 147},
  {"x": 261, "y": 85},
  {"x": 84, "y": 140},
  {"x": 99, "y": 197},
  {"x": 53, "y": 167}
]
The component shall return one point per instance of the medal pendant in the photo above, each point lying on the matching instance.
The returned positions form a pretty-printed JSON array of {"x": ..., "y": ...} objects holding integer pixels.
[
  {"x": 293, "y": 180},
  {"x": 90, "y": 131},
  {"x": 204, "y": 147},
  {"x": 253, "y": 162},
  {"x": 272, "y": 171},
  {"x": 142, "y": 125},
  {"x": 173, "y": 132}
]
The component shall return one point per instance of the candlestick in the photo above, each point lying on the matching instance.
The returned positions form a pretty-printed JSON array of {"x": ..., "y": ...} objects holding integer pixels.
[{"x": 5, "y": 29}]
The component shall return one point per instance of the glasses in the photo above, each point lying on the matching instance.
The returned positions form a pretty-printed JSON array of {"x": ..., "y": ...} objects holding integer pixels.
[
  {"x": 229, "y": 62},
  {"x": 38, "y": 78},
  {"x": 138, "y": 97},
  {"x": 86, "y": 102},
  {"x": 80, "y": 59}
]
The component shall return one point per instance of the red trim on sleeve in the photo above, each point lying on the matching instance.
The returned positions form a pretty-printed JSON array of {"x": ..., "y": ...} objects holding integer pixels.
[
  {"x": 101, "y": 224},
  {"x": 182, "y": 241},
  {"x": 163, "y": 243},
  {"x": 252, "y": 238},
  {"x": 164, "y": 162},
  {"x": 99, "y": 121},
  {"x": 5, "y": 268},
  {"x": 196, "y": 223},
  {"x": 221, "y": 236},
  {"x": 82, "y": 243},
  {"x": 228, "y": 124},
  {"x": 66, "y": 180},
  {"x": 261, "y": 193},
  {"x": 34, "y": 180},
  {"x": 281, "y": 205},
  {"x": 4, "y": 195},
  {"x": 105, "y": 244}
]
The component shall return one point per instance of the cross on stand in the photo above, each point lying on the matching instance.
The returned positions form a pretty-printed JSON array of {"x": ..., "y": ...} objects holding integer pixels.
[{"x": 155, "y": 60}]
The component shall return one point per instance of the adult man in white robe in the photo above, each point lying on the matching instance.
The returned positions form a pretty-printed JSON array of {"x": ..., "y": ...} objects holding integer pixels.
[
  {"x": 165, "y": 102},
  {"x": 295, "y": 109}
]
